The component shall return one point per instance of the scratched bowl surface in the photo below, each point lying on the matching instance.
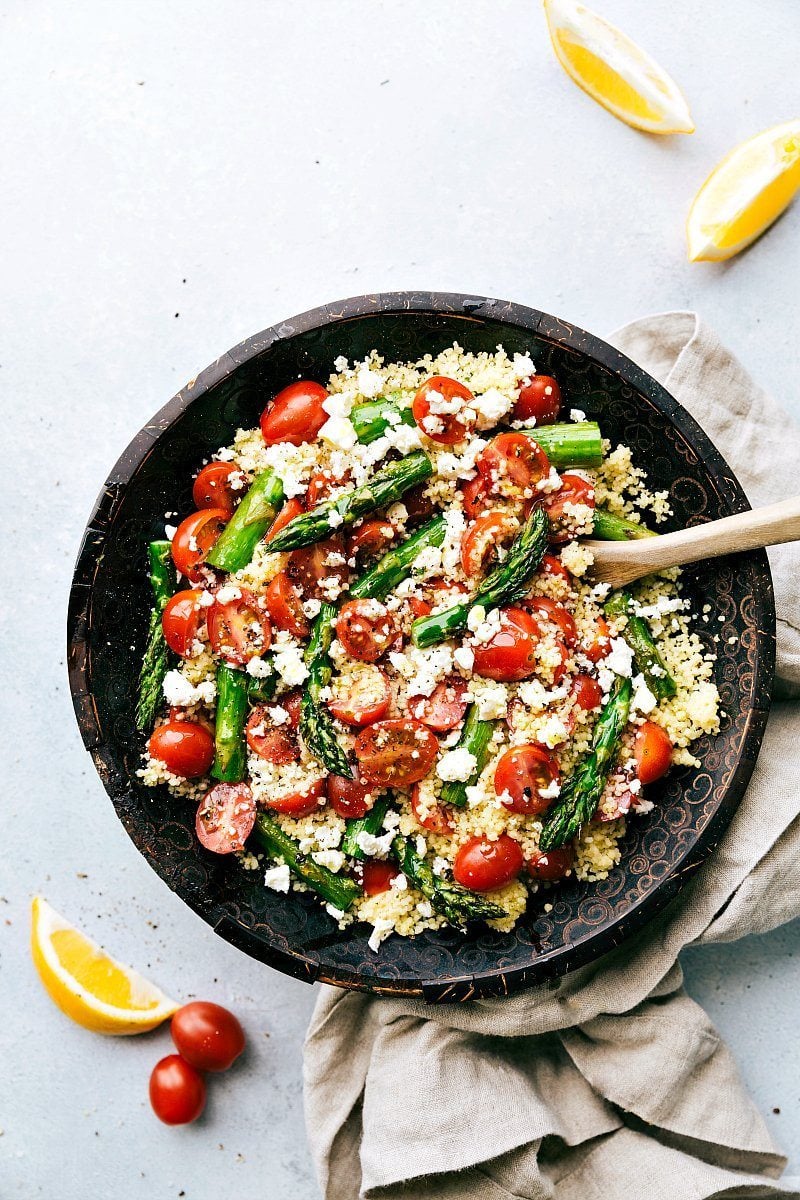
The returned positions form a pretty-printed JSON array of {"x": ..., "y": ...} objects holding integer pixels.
[{"x": 110, "y": 604}]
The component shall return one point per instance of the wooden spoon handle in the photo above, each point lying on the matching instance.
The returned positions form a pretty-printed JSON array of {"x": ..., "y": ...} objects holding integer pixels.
[{"x": 745, "y": 531}]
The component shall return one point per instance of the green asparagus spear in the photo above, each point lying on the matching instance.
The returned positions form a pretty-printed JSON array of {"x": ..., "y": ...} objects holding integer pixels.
[
  {"x": 371, "y": 823},
  {"x": 581, "y": 793},
  {"x": 257, "y": 510},
  {"x": 316, "y": 724},
  {"x": 339, "y": 890},
  {"x": 372, "y": 419},
  {"x": 454, "y": 902},
  {"x": 261, "y": 690},
  {"x": 636, "y": 633},
  {"x": 397, "y": 564},
  {"x": 476, "y": 737},
  {"x": 385, "y": 486},
  {"x": 156, "y": 656},
  {"x": 608, "y": 527},
  {"x": 230, "y": 759},
  {"x": 505, "y": 584}
]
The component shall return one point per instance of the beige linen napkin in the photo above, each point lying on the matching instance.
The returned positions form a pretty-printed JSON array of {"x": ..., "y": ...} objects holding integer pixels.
[{"x": 610, "y": 1083}]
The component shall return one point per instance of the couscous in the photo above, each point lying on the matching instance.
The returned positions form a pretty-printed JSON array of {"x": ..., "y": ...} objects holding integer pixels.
[{"x": 388, "y": 677}]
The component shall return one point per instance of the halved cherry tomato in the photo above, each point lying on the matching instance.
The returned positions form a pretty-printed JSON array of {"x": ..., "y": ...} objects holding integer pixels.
[
  {"x": 574, "y": 490},
  {"x": 587, "y": 692},
  {"x": 551, "y": 864},
  {"x": 395, "y": 753},
  {"x": 600, "y": 644},
  {"x": 185, "y": 748},
  {"x": 212, "y": 488},
  {"x": 512, "y": 464},
  {"x": 285, "y": 607},
  {"x": 239, "y": 629},
  {"x": 371, "y": 538},
  {"x": 362, "y": 697},
  {"x": 194, "y": 538},
  {"x": 550, "y": 565},
  {"x": 320, "y": 486},
  {"x": 556, "y": 614},
  {"x": 293, "y": 703},
  {"x": 295, "y": 415},
  {"x": 350, "y": 797},
  {"x": 445, "y": 707},
  {"x": 445, "y": 427},
  {"x": 377, "y": 875},
  {"x": 300, "y": 804},
  {"x": 511, "y": 653},
  {"x": 481, "y": 543},
  {"x": 436, "y": 817},
  {"x": 274, "y": 743},
  {"x": 291, "y": 509},
  {"x": 309, "y": 566},
  {"x": 366, "y": 629},
  {"x": 207, "y": 1036},
  {"x": 653, "y": 751},
  {"x": 482, "y": 865},
  {"x": 419, "y": 607},
  {"x": 418, "y": 504},
  {"x": 540, "y": 397},
  {"x": 177, "y": 1091},
  {"x": 475, "y": 498},
  {"x": 225, "y": 818},
  {"x": 179, "y": 621},
  {"x": 522, "y": 774}
]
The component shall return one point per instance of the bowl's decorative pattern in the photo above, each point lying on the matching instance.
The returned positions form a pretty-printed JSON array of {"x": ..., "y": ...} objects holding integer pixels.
[{"x": 110, "y": 602}]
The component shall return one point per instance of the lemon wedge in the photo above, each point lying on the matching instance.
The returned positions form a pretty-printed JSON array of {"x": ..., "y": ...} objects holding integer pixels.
[
  {"x": 614, "y": 71},
  {"x": 744, "y": 194},
  {"x": 88, "y": 985}
]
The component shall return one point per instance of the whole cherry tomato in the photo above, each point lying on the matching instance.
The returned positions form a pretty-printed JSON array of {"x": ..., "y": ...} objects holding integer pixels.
[
  {"x": 295, "y": 415},
  {"x": 185, "y": 748},
  {"x": 213, "y": 487},
  {"x": 180, "y": 620},
  {"x": 207, "y": 1036},
  {"x": 551, "y": 864},
  {"x": 377, "y": 875},
  {"x": 440, "y": 410},
  {"x": 350, "y": 797},
  {"x": 653, "y": 752},
  {"x": 540, "y": 397},
  {"x": 511, "y": 654},
  {"x": 587, "y": 692},
  {"x": 482, "y": 865},
  {"x": 177, "y": 1091}
]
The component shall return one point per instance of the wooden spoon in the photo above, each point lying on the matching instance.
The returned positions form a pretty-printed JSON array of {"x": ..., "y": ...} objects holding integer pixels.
[{"x": 619, "y": 563}]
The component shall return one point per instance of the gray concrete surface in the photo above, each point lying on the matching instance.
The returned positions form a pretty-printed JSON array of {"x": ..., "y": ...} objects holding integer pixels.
[{"x": 175, "y": 177}]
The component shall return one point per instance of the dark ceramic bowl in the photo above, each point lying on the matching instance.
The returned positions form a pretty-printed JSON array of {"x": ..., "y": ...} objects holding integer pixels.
[{"x": 110, "y": 603}]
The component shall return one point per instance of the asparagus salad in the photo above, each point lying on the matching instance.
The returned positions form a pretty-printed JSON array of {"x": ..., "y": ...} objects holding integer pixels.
[{"x": 377, "y": 661}]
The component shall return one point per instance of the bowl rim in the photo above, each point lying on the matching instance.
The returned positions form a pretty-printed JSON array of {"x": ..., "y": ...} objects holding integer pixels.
[{"x": 499, "y": 981}]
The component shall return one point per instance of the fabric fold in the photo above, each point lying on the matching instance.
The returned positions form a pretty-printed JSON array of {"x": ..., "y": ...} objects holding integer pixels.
[{"x": 610, "y": 1082}]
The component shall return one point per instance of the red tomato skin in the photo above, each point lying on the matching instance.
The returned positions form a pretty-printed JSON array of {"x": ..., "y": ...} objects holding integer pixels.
[
  {"x": 300, "y": 804},
  {"x": 207, "y": 1036},
  {"x": 535, "y": 400},
  {"x": 445, "y": 707},
  {"x": 437, "y": 818},
  {"x": 520, "y": 773},
  {"x": 320, "y": 486},
  {"x": 601, "y": 644},
  {"x": 295, "y": 415},
  {"x": 225, "y": 818},
  {"x": 515, "y": 458},
  {"x": 276, "y": 744},
  {"x": 587, "y": 692},
  {"x": 653, "y": 752},
  {"x": 350, "y": 798},
  {"x": 574, "y": 490},
  {"x": 371, "y": 538},
  {"x": 482, "y": 540},
  {"x": 291, "y": 509},
  {"x": 418, "y": 504},
  {"x": 482, "y": 866},
  {"x": 551, "y": 864},
  {"x": 185, "y": 748},
  {"x": 556, "y": 614},
  {"x": 354, "y": 711},
  {"x": 510, "y": 656},
  {"x": 177, "y": 1091},
  {"x": 550, "y": 565},
  {"x": 366, "y": 629},
  {"x": 179, "y": 621},
  {"x": 475, "y": 497},
  {"x": 308, "y": 566},
  {"x": 199, "y": 530},
  {"x": 285, "y": 607},
  {"x": 377, "y": 876},
  {"x": 384, "y": 752},
  {"x": 230, "y": 628},
  {"x": 454, "y": 430},
  {"x": 212, "y": 489}
]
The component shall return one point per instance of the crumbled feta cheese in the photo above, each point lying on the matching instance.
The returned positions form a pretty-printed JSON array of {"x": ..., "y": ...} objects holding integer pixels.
[
  {"x": 278, "y": 715},
  {"x": 332, "y": 859},
  {"x": 577, "y": 414},
  {"x": 340, "y": 364},
  {"x": 372, "y": 846},
  {"x": 620, "y": 658},
  {"x": 420, "y": 845},
  {"x": 399, "y": 883},
  {"x": 464, "y": 657},
  {"x": 552, "y": 791},
  {"x": 228, "y": 592},
  {"x": 369, "y": 382},
  {"x": 490, "y": 698},
  {"x": 550, "y": 483},
  {"x": 522, "y": 365},
  {"x": 380, "y": 930},
  {"x": 552, "y": 732},
  {"x": 334, "y": 519},
  {"x": 288, "y": 659},
  {"x": 258, "y": 668},
  {"x": 339, "y": 432},
  {"x": 311, "y": 608},
  {"x": 643, "y": 699},
  {"x": 440, "y": 866},
  {"x": 490, "y": 407},
  {"x": 170, "y": 531},
  {"x": 457, "y": 764},
  {"x": 180, "y": 693},
  {"x": 278, "y": 877}
]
